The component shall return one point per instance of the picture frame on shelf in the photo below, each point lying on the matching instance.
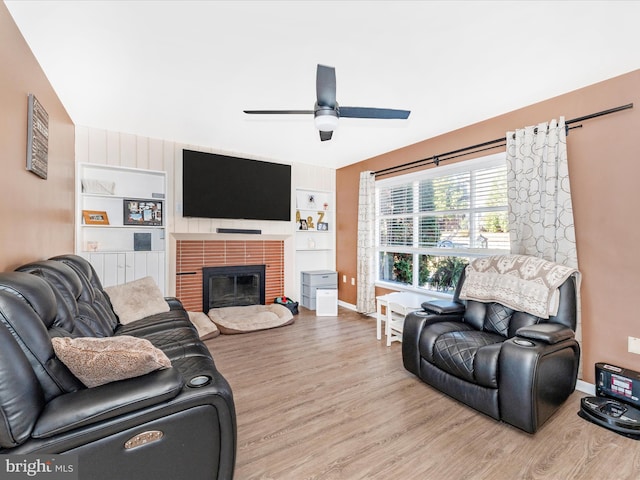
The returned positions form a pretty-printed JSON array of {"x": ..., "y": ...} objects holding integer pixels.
[
  {"x": 142, "y": 212},
  {"x": 311, "y": 201},
  {"x": 92, "y": 246},
  {"x": 95, "y": 217},
  {"x": 323, "y": 226}
]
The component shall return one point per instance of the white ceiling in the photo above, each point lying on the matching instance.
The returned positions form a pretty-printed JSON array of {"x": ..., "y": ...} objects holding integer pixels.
[{"x": 185, "y": 70}]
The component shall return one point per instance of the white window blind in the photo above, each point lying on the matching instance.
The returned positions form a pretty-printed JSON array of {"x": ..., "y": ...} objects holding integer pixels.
[{"x": 439, "y": 218}]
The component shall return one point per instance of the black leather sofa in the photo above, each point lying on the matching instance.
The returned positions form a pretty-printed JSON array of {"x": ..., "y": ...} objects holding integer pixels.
[
  {"x": 508, "y": 364},
  {"x": 174, "y": 423}
]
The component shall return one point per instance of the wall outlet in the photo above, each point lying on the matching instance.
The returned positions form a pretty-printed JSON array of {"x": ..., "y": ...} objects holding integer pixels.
[
  {"x": 344, "y": 279},
  {"x": 353, "y": 282},
  {"x": 634, "y": 345}
]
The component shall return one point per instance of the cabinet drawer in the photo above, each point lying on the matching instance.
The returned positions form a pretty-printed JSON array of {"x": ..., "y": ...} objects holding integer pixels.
[
  {"x": 309, "y": 302},
  {"x": 320, "y": 278},
  {"x": 311, "y": 291}
]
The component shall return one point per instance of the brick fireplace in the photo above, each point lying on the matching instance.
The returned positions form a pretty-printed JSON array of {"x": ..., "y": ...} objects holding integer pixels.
[{"x": 193, "y": 255}]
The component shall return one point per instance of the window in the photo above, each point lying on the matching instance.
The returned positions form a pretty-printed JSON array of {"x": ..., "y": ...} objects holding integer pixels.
[{"x": 431, "y": 223}]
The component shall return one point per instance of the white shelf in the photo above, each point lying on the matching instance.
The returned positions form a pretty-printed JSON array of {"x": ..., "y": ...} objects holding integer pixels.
[{"x": 84, "y": 225}]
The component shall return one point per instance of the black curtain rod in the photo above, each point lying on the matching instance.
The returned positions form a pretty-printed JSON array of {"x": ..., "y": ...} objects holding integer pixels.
[{"x": 480, "y": 147}]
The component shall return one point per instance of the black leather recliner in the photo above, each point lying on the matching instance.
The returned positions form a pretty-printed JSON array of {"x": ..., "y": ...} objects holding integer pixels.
[
  {"x": 510, "y": 365},
  {"x": 175, "y": 423}
]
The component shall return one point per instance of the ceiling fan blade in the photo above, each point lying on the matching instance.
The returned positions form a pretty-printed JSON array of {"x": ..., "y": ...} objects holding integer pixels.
[
  {"x": 326, "y": 86},
  {"x": 366, "y": 112},
  {"x": 324, "y": 136},
  {"x": 279, "y": 112}
]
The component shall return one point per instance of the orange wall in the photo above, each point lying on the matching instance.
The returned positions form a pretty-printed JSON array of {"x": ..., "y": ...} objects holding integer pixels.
[
  {"x": 36, "y": 215},
  {"x": 604, "y": 166}
]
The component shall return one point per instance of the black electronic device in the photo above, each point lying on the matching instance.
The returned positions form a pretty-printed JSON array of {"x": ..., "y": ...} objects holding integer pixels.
[
  {"x": 616, "y": 405},
  {"x": 220, "y": 186}
]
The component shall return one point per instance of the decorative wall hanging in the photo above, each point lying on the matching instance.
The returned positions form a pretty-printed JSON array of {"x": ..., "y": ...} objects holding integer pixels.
[{"x": 37, "y": 138}]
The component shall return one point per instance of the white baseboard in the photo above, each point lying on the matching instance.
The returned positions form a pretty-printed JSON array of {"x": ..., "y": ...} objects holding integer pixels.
[
  {"x": 586, "y": 387},
  {"x": 347, "y": 305}
]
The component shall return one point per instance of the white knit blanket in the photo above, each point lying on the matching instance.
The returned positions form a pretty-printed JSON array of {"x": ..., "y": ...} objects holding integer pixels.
[{"x": 520, "y": 282}]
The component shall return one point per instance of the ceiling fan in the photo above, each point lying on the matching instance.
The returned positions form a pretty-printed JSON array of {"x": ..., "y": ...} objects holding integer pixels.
[{"x": 326, "y": 111}]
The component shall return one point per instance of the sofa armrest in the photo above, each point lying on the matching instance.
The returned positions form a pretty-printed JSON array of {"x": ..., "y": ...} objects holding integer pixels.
[
  {"x": 174, "y": 303},
  {"x": 549, "y": 333},
  {"x": 93, "y": 405}
]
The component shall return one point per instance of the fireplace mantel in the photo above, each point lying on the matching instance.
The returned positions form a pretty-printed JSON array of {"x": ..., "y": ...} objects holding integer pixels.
[{"x": 230, "y": 236}]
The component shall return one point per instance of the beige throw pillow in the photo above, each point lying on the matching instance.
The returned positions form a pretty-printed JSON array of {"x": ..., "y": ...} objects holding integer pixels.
[
  {"x": 96, "y": 361},
  {"x": 136, "y": 300}
]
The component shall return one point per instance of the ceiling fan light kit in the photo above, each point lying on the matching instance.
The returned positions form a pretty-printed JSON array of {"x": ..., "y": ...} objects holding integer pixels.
[
  {"x": 327, "y": 113},
  {"x": 326, "y": 120}
]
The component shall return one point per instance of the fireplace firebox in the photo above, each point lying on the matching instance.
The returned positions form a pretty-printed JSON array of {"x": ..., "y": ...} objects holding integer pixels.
[{"x": 233, "y": 286}]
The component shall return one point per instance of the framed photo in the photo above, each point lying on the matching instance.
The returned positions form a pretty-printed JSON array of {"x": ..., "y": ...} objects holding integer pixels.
[
  {"x": 142, "y": 212},
  {"x": 95, "y": 217},
  {"x": 323, "y": 226}
]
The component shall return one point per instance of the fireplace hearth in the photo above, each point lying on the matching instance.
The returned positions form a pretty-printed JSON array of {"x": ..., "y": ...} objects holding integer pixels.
[{"x": 232, "y": 286}]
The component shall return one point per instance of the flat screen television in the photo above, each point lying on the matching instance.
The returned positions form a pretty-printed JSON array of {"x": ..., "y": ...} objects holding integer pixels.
[{"x": 220, "y": 186}]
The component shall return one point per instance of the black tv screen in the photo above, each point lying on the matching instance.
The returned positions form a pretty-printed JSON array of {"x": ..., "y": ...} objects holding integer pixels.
[{"x": 220, "y": 186}]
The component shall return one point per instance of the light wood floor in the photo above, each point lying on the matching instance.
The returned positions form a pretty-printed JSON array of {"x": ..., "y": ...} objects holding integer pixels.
[{"x": 323, "y": 399}]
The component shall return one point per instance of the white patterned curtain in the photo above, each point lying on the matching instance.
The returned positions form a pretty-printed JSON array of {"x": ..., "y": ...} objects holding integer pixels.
[
  {"x": 366, "y": 295},
  {"x": 540, "y": 209},
  {"x": 539, "y": 195}
]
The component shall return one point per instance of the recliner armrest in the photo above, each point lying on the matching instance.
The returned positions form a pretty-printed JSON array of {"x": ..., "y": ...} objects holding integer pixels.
[
  {"x": 443, "y": 307},
  {"x": 546, "y": 332},
  {"x": 93, "y": 405},
  {"x": 414, "y": 323}
]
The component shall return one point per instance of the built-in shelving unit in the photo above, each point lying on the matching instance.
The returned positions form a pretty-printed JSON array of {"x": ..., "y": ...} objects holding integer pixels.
[
  {"x": 314, "y": 220},
  {"x": 121, "y": 218},
  {"x": 314, "y": 230}
]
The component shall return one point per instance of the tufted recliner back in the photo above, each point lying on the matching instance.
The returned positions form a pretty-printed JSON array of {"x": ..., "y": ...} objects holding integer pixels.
[
  {"x": 21, "y": 397},
  {"x": 31, "y": 323},
  {"x": 496, "y": 318},
  {"x": 75, "y": 311},
  {"x": 92, "y": 294}
]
